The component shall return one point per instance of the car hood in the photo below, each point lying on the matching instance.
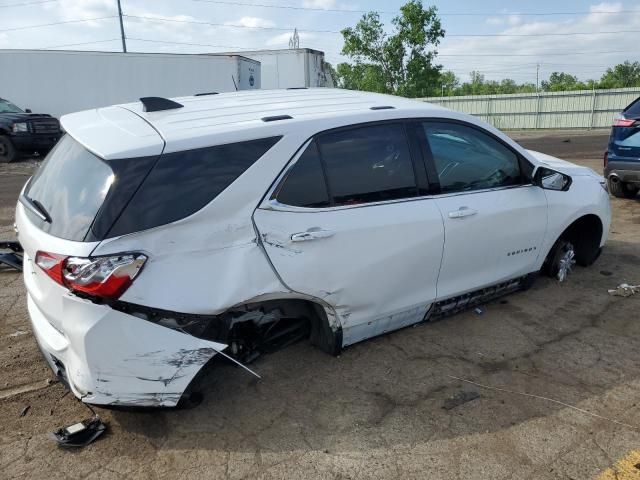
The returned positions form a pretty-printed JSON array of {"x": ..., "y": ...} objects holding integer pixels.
[
  {"x": 562, "y": 166},
  {"x": 19, "y": 117}
]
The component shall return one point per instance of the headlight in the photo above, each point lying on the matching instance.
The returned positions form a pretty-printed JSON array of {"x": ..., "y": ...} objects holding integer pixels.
[{"x": 20, "y": 127}]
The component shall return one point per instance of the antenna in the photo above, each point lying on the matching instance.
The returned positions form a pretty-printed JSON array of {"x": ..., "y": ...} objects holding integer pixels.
[{"x": 294, "y": 41}]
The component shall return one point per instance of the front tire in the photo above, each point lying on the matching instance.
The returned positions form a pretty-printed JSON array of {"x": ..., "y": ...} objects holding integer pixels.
[
  {"x": 622, "y": 189},
  {"x": 561, "y": 260},
  {"x": 8, "y": 152}
]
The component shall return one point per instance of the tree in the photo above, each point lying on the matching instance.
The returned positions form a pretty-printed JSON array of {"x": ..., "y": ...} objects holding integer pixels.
[
  {"x": 448, "y": 82},
  {"x": 623, "y": 75},
  {"x": 559, "y": 81},
  {"x": 401, "y": 63}
]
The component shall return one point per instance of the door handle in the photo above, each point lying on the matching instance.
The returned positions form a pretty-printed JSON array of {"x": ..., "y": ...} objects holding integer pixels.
[
  {"x": 462, "y": 212},
  {"x": 311, "y": 235}
]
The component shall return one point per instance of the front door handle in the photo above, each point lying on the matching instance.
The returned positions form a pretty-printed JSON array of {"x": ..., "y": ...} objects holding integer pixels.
[
  {"x": 311, "y": 234},
  {"x": 462, "y": 212}
]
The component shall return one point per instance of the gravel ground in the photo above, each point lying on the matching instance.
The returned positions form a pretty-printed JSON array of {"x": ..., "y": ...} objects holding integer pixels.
[{"x": 377, "y": 410}]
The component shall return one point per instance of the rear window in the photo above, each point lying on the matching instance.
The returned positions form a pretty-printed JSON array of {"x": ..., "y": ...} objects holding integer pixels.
[
  {"x": 305, "y": 185},
  {"x": 71, "y": 185},
  {"x": 633, "y": 110},
  {"x": 181, "y": 183}
]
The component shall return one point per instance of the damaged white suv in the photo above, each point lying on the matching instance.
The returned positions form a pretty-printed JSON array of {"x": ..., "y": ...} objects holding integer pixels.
[{"x": 160, "y": 233}]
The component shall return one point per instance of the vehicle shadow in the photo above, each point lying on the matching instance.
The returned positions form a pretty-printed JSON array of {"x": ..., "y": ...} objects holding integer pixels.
[{"x": 561, "y": 341}]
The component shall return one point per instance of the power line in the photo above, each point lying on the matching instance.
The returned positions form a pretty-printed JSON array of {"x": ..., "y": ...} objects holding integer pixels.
[
  {"x": 80, "y": 43},
  {"x": 460, "y": 14},
  {"x": 288, "y": 29},
  {"x": 192, "y": 44},
  {"x": 530, "y": 54},
  {"x": 26, "y": 4},
  {"x": 56, "y": 23}
]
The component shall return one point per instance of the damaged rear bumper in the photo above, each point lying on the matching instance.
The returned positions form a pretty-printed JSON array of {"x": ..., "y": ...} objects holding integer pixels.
[{"x": 111, "y": 358}]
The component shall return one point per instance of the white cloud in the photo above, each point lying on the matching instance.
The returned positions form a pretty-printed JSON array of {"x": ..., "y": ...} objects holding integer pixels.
[
  {"x": 494, "y": 21},
  {"x": 516, "y": 56},
  {"x": 252, "y": 22},
  {"x": 324, "y": 4}
]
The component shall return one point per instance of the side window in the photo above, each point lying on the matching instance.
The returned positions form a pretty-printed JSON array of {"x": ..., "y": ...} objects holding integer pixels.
[
  {"x": 467, "y": 159},
  {"x": 305, "y": 185},
  {"x": 368, "y": 164}
]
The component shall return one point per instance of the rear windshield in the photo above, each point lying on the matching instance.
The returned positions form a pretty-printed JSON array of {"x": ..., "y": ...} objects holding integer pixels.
[
  {"x": 633, "y": 110},
  {"x": 70, "y": 186},
  {"x": 89, "y": 199}
]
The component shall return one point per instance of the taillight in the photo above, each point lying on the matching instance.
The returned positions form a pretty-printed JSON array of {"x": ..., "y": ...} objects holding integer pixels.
[
  {"x": 623, "y": 122},
  {"x": 51, "y": 264},
  {"x": 104, "y": 277},
  {"x": 606, "y": 159}
]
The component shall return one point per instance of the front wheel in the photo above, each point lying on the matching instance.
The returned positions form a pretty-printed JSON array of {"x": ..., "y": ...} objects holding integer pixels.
[
  {"x": 622, "y": 189},
  {"x": 561, "y": 260},
  {"x": 7, "y": 150}
]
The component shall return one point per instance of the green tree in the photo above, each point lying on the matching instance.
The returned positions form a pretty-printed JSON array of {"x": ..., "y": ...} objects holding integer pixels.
[
  {"x": 448, "y": 82},
  {"x": 559, "y": 81},
  {"x": 623, "y": 75},
  {"x": 401, "y": 63}
]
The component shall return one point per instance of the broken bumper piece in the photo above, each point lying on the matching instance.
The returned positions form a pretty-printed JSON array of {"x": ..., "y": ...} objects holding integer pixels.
[{"x": 110, "y": 358}]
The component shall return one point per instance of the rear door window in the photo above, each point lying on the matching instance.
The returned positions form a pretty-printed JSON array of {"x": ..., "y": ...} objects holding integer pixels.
[
  {"x": 467, "y": 159},
  {"x": 71, "y": 185},
  {"x": 181, "y": 183},
  {"x": 304, "y": 185},
  {"x": 368, "y": 164}
]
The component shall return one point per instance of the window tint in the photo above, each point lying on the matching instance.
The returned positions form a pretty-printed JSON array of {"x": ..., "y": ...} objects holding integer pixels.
[
  {"x": 467, "y": 159},
  {"x": 181, "y": 183},
  {"x": 633, "y": 110},
  {"x": 368, "y": 164},
  {"x": 71, "y": 185},
  {"x": 305, "y": 185}
]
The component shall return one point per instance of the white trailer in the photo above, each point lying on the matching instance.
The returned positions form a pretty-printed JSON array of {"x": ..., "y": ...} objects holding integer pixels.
[
  {"x": 63, "y": 81},
  {"x": 291, "y": 68}
]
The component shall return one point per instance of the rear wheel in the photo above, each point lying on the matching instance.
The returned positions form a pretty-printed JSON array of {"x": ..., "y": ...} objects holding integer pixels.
[
  {"x": 7, "y": 150},
  {"x": 622, "y": 189}
]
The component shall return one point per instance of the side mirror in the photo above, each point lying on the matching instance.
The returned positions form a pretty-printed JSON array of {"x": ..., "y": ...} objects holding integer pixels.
[
  {"x": 28, "y": 110},
  {"x": 551, "y": 180}
]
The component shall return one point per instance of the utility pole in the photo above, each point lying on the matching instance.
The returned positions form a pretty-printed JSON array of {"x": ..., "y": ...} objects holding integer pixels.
[
  {"x": 124, "y": 41},
  {"x": 537, "y": 76}
]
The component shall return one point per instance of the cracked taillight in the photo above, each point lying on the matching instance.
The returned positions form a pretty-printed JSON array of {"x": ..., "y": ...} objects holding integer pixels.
[{"x": 104, "y": 277}]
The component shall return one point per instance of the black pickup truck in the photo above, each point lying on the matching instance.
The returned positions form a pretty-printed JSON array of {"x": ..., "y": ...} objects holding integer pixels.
[{"x": 25, "y": 132}]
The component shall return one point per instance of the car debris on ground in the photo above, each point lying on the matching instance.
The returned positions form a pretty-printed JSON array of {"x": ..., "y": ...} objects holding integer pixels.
[
  {"x": 79, "y": 434},
  {"x": 625, "y": 290}
]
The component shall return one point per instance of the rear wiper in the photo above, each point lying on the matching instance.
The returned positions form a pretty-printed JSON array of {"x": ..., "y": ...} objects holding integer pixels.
[{"x": 36, "y": 207}]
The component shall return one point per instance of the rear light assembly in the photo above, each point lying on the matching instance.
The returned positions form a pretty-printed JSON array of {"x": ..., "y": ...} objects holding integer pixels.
[
  {"x": 105, "y": 277},
  {"x": 624, "y": 122}
]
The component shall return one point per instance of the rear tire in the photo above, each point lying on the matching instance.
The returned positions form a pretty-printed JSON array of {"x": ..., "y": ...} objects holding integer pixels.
[
  {"x": 8, "y": 152},
  {"x": 622, "y": 189}
]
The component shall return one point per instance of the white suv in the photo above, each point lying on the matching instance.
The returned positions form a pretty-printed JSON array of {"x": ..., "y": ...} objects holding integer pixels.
[{"x": 160, "y": 233}]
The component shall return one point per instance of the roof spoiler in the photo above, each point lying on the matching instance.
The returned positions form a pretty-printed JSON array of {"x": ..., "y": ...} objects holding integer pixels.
[{"x": 157, "y": 104}]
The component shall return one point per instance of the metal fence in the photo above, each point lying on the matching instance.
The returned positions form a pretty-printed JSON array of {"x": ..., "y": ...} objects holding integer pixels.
[{"x": 576, "y": 109}]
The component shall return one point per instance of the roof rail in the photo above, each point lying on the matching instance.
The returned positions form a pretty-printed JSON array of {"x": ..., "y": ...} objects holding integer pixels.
[
  {"x": 157, "y": 104},
  {"x": 382, "y": 107},
  {"x": 275, "y": 118},
  {"x": 204, "y": 93}
]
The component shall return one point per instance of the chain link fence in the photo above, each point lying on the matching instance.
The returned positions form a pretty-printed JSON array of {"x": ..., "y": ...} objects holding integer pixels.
[{"x": 574, "y": 109}]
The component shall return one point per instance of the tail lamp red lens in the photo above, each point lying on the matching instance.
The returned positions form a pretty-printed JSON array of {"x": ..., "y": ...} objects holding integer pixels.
[
  {"x": 103, "y": 277},
  {"x": 623, "y": 122}
]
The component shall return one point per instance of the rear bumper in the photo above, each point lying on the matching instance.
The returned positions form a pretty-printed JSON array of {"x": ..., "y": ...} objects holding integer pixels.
[
  {"x": 111, "y": 358},
  {"x": 626, "y": 171}
]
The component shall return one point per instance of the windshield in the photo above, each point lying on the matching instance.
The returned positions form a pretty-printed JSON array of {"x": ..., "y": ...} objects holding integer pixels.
[{"x": 8, "y": 107}]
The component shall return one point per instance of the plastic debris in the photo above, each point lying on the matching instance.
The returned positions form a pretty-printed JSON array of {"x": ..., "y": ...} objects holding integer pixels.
[
  {"x": 478, "y": 311},
  {"x": 79, "y": 434},
  {"x": 459, "y": 399},
  {"x": 25, "y": 410},
  {"x": 625, "y": 290}
]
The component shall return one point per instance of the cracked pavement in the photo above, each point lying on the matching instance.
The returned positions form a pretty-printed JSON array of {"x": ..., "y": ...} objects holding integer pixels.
[{"x": 376, "y": 411}]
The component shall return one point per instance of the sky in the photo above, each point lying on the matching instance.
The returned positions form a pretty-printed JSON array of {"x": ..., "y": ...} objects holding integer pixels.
[{"x": 499, "y": 38}]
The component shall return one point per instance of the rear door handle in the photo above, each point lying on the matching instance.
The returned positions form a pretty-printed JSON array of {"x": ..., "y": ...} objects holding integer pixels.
[
  {"x": 311, "y": 235},
  {"x": 462, "y": 212}
]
